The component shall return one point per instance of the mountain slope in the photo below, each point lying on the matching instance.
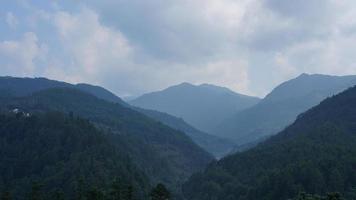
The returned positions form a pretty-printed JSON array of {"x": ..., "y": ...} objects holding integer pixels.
[
  {"x": 25, "y": 86},
  {"x": 217, "y": 146},
  {"x": 57, "y": 150},
  {"x": 203, "y": 106},
  {"x": 281, "y": 107},
  {"x": 164, "y": 154},
  {"x": 316, "y": 154}
]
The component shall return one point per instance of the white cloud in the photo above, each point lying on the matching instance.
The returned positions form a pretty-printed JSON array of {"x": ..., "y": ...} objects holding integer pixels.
[
  {"x": 17, "y": 57},
  {"x": 11, "y": 20},
  {"x": 133, "y": 46},
  {"x": 91, "y": 47}
]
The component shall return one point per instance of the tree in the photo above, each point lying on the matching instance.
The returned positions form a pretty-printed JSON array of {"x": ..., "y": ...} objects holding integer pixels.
[{"x": 160, "y": 192}]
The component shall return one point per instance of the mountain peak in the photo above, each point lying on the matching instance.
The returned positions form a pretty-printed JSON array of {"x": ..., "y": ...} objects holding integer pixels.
[{"x": 204, "y": 106}]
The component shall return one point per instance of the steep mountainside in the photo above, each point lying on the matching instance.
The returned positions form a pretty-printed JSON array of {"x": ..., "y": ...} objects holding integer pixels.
[
  {"x": 164, "y": 154},
  {"x": 316, "y": 154},
  {"x": 57, "y": 151},
  {"x": 217, "y": 146},
  {"x": 281, "y": 107},
  {"x": 203, "y": 106}
]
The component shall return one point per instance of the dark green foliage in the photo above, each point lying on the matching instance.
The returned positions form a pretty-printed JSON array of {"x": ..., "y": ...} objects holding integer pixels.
[
  {"x": 58, "y": 150},
  {"x": 127, "y": 192},
  {"x": 164, "y": 154},
  {"x": 94, "y": 194},
  {"x": 36, "y": 191},
  {"x": 57, "y": 195},
  {"x": 160, "y": 192},
  {"x": 116, "y": 190},
  {"x": 6, "y": 195},
  {"x": 316, "y": 154},
  {"x": 330, "y": 196}
]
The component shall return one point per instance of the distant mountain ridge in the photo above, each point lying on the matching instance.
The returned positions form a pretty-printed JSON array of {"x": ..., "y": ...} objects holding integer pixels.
[
  {"x": 25, "y": 86},
  {"x": 281, "y": 107},
  {"x": 203, "y": 106}
]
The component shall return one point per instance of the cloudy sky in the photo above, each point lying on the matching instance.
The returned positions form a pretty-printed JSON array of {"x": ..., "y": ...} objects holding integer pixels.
[{"x": 135, "y": 46}]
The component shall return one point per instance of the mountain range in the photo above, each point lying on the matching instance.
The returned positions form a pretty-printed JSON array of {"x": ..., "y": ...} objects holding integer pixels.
[
  {"x": 25, "y": 86},
  {"x": 296, "y": 143}
]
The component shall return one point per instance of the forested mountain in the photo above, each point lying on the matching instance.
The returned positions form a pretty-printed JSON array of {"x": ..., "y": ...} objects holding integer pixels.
[
  {"x": 316, "y": 154},
  {"x": 281, "y": 107},
  {"x": 162, "y": 153},
  {"x": 24, "y": 86},
  {"x": 60, "y": 152},
  {"x": 203, "y": 106},
  {"x": 217, "y": 146}
]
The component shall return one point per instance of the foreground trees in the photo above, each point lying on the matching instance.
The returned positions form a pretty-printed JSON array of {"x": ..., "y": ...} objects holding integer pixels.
[{"x": 117, "y": 191}]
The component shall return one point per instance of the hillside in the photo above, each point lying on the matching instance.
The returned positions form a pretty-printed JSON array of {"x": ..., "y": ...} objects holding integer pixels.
[
  {"x": 162, "y": 153},
  {"x": 316, "y": 154},
  {"x": 281, "y": 107},
  {"x": 25, "y": 86},
  {"x": 219, "y": 147},
  {"x": 203, "y": 106},
  {"x": 57, "y": 151}
]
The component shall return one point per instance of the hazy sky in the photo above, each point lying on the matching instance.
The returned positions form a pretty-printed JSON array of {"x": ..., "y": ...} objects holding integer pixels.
[{"x": 135, "y": 46}]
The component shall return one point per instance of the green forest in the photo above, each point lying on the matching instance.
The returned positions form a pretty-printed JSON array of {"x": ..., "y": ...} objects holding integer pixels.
[{"x": 316, "y": 155}]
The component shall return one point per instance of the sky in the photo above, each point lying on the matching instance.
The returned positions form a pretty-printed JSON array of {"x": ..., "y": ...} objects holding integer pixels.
[{"x": 135, "y": 46}]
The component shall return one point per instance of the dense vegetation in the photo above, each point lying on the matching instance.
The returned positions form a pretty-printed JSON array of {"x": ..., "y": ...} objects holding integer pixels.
[
  {"x": 316, "y": 154},
  {"x": 281, "y": 107},
  {"x": 163, "y": 154},
  {"x": 58, "y": 152}
]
